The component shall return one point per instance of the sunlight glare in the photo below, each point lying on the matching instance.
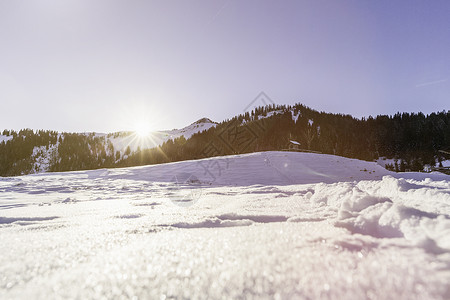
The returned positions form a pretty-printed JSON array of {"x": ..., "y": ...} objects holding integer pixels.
[{"x": 142, "y": 129}]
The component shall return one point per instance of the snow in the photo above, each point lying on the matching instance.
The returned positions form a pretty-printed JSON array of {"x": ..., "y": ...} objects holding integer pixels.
[
  {"x": 261, "y": 117},
  {"x": 42, "y": 157},
  {"x": 260, "y": 225},
  {"x": 269, "y": 114},
  {"x": 122, "y": 140},
  {"x": 5, "y": 138},
  {"x": 383, "y": 161},
  {"x": 295, "y": 116},
  {"x": 445, "y": 163}
]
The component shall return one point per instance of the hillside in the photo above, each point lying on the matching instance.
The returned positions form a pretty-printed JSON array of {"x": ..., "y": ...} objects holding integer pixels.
[
  {"x": 29, "y": 152},
  {"x": 122, "y": 140},
  {"x": 403, "y": 142},
  {"x": 279, "y": 224},
  {"x": 407, "y": 141}
]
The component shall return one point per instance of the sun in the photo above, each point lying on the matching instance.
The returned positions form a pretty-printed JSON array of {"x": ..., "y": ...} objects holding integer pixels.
[{"x": 142, "y": 129}]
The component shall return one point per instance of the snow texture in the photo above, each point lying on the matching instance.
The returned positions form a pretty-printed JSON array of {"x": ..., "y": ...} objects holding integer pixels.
[{"x": 262, "y": 225}]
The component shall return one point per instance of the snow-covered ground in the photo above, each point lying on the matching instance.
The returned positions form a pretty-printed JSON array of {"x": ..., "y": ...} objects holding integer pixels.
[
  {"x": 262, "y": 225},
  {"x": 383, "y": 161}
]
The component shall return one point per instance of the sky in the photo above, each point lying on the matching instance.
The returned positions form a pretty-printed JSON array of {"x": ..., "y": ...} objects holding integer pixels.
[{"x": 107, "y": 65}]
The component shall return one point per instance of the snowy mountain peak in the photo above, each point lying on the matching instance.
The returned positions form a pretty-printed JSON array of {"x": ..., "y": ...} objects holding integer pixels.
[{"x": 204, "y": 121}]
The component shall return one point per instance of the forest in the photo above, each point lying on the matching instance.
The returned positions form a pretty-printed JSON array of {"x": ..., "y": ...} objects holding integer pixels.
[{"x": 412, "y": 140}]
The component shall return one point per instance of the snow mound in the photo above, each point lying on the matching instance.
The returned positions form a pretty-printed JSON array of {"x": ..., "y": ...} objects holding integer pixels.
[
  {"x": 391, "y": 208},
  {"x": 272, "y": 168}
]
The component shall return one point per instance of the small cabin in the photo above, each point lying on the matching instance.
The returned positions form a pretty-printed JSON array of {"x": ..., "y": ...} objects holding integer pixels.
[{"x": 293, "y": 145}]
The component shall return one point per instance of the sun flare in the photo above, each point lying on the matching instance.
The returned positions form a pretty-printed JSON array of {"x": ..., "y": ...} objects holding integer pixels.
[{"x": 142, "y": 129}]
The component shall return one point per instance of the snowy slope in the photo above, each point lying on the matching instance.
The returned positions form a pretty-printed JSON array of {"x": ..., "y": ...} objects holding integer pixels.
[
  {"x": 42, "y": 157},
  {"x": 122, "y": 140},
  {"x": 5, "y": 138},
  {"x": 262, "y": 225}
]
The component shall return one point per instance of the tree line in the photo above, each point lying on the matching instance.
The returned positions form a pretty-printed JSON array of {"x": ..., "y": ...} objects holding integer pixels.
[{"x": 413, "y": 140}]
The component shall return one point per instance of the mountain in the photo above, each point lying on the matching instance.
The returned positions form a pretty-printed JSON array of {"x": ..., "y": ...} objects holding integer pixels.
[
  {"x": 403, "y": 142},
  {"x": 122, "y": 140},
  {"x": 28, "y": 152}
]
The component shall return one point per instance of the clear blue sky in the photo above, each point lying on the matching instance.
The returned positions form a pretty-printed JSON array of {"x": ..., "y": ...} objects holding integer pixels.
[{"x": 85, "y": 65}]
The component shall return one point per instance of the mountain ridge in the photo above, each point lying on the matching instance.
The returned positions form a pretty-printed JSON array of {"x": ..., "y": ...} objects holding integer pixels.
[
  {"x": 404, "y": 141},
  {"x": 119, "y": 144}
]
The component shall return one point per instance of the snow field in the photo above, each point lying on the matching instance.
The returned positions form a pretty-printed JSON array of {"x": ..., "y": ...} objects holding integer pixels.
[{"x": 268, "y": 225}]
